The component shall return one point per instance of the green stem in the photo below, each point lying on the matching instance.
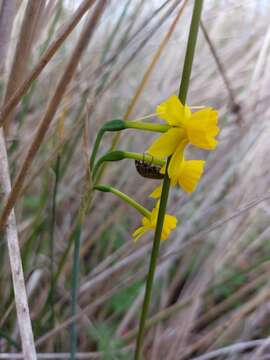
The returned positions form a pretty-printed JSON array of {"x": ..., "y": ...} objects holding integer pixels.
[
  {"x": 52, "y": 240},
  {"x": 147, "y": 126},
  {"x": 192, "y": 39},
  {"x": 118, "y": 125},
  {"x": 100, "y": 134},
  {"x": 74, "y": 287},
  {"x": 145, "y": 157},
  {"x": 118, "y": 155},
  {"x": 166, "y": 183},
  {"x": 126, "y": 198}
]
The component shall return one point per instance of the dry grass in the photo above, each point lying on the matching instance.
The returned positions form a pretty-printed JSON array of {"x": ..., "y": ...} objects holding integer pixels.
[{"x": 211, "y": 288}]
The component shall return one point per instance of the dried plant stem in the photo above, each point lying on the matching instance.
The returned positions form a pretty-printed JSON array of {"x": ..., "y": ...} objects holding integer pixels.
[
  {"x": 154, "y": 61},
  {"x": 221, "y": 328},
  {"x": 147, "y": 74},
  {"x": 61, "y": 87},
  {"x": 23, "y": 50},
  {"x": 213, "y": 312},
  {"x": 220, "y": 67},
  {"x": 11, "y": 235},
  {"x": 7, "y": 15},
  {"x": 149, "y": 70},
  {"x": 193, "y": 240},
  {"x": 193, "y": 33},
  {"x": 43, "y": 61}
]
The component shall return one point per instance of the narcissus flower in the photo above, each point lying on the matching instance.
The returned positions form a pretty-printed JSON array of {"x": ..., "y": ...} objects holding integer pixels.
[
  {"x": 199, "y": 128},
  {"x": 185, "y": 173},
  {"x": 149, "y": 224},
  {"x": 188, "y": 174}
]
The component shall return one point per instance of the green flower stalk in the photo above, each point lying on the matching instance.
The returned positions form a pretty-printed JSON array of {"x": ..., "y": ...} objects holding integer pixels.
[
  {"x": 146, "y": 126},
  {"x": 125, "y": 198},
  {"x": 193, "y": 33},
  {"x": 149, "y": 220},
  {"x": 118, "y": 125},
  {"x": 118, "y": 155}
]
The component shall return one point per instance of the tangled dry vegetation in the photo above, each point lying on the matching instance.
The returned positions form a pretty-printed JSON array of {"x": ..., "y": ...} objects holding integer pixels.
[{"x": 211, "y": 295}]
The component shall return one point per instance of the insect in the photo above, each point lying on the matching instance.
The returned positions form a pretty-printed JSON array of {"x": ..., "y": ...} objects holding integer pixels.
[{"x": 148, "y": 170}]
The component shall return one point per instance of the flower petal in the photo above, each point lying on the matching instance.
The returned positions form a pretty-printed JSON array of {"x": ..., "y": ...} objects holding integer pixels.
[
  {"x": 171, "y": 221},
  {"x": 169, "y": 224},
  {"x": 150, "y": 224},
  {"x": 191, "y": 172},
  {"x": 176, "y": 160},
  {"x": 166, "y": 144},
  {"x": 202, "y": 127},
  {"x": 172, "y": 111},
  {"x": 139, "y": 232},
  {"x": 156, "y": 193}
]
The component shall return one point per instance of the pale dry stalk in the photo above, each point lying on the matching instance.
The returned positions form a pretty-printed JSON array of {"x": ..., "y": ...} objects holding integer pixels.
[
  {"x": 11, "y": 235},
  {"x": 209, "y": 337},
  {"x": 65, "y": 30},
  {"x": 7, "y": 14},
  {"x": 61, "y": 87},
  {"x": 23, "y": 50}
]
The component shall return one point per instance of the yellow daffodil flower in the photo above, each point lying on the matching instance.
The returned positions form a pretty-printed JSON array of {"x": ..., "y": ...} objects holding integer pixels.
[
  {"x": 149, "y": 224},
  {"x": 188, "y": 174},
  {"x": 198, "y": 129},
  {"x": 185, "y": 173}
]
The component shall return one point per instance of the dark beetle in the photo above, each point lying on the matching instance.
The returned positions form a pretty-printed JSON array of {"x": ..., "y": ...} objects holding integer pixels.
[{"x": 148, "y": 170}]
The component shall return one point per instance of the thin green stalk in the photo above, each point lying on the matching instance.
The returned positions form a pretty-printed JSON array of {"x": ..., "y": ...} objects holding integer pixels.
[
  {"x": 126, "y": 198},
  {"x": 146, "y": 126},
  {"x": 118, "y": 125},
  {"x": 74, "y": 287},
  {"x": 259, "y": 267},
  {"x": 100, "y": 134},
  {"x": 192, "y": 39},
  {"x": 193, "y": 33},
  {"x": 121, "y": 155},
  {"x": 52, "y": 240}
]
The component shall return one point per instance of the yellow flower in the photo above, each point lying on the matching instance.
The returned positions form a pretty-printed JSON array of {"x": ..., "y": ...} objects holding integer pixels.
[
  {"x": 185, "y": 173},
  {"x": 188, "y": 174},
  {"x": 198, "y": 129},
  {"x": 149, "y": 224}
]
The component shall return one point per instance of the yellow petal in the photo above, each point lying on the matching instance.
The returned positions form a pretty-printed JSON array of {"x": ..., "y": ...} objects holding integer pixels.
[
  {"x": 166, "y": 144},
  {"x": 169, "y": 224},
  {"x": 154, "y": 215},
  {"x": 139, "y": 232},
  {"x": 202, "y": 127},
  {"x": 156, "y": 193},
  {"x": 172, "y": 111},
  {"x": 170, "y": 221},
  {"x": 151, "y": 223},
  {"x": 176, "y": 160},
  {"x": 146, "y": 222},
  {"x": 191, "y": 172}
]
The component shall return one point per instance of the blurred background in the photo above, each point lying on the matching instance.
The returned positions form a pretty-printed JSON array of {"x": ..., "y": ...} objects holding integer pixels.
[{"x": 211, "y": 294}]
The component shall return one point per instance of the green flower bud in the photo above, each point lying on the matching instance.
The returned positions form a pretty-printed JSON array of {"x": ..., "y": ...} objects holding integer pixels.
[{"x": 114, "y": 125}]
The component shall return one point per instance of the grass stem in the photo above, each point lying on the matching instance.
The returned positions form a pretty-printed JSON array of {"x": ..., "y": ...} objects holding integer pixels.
[{"x": 74, "y": 287}]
